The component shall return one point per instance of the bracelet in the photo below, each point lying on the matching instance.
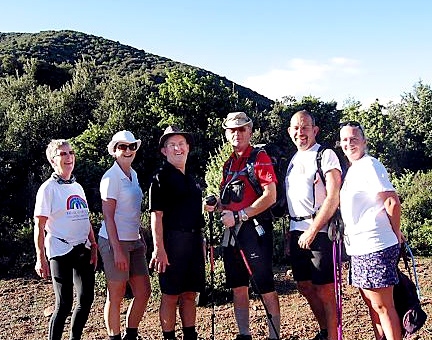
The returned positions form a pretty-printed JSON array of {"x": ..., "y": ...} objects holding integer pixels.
[{"x": 236, "y": 217}]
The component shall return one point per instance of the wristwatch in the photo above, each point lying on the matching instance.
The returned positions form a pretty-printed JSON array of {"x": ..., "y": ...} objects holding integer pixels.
[{"x": 243, "y": 216}]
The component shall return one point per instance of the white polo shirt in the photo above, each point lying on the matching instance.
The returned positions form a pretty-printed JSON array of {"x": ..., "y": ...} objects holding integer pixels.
[
  {"x": 66, "y": 208},
  {"x": 367, "y": 226},
  {"x": 304, "y": 188},
  {"x": 128, "y": 196}
]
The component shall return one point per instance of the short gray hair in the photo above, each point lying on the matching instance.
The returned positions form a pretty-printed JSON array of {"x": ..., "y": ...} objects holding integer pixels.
[{"x": 53, "y": 146}]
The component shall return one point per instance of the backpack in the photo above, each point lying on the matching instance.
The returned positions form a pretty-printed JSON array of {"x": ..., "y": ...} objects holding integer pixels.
[
  {"x": 280, "y": 164},
  {"x": 406, "y": 295}
]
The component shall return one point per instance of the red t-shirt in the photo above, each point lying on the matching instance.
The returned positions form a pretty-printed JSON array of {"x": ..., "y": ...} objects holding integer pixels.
[{"x": 263, "y": 170}]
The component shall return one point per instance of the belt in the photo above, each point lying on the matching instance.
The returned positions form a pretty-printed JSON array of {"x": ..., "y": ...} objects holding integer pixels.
[{"x": 301, "y": 218}]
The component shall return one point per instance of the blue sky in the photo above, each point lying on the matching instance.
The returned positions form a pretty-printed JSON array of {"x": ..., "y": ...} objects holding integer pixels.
[{"x": 334, "y": 50}]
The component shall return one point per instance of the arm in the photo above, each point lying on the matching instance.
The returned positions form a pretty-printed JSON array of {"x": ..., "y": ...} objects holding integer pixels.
[
  {"x": 93, "y": 247},
  {"x": 41, "y": 266},
  {"x": 159, "y": 259},
  {"x": 108, "y": 209},
  {"x": 327, "y": 209},
  {"x": 393, "y": 209}
]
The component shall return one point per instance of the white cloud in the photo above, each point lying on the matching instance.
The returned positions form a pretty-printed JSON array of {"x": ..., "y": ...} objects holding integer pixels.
[{"x": 306, "y": 77}]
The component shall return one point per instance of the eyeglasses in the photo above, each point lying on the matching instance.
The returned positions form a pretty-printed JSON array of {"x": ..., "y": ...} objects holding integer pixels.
[
  {"x": 239, "y": 129},
  {"x": 65, "y": 153},
  {"x": 174, "y": 145},
  {"x": 124, "y": 147},
  {"x": 352, "y": 123}
]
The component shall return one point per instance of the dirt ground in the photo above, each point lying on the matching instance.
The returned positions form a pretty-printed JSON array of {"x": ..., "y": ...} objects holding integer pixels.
[{"x": 22, "y": 302}]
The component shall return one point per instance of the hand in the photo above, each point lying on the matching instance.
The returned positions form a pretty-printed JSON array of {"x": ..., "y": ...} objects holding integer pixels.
[
  {"x": 227, "y": 218},
  {"x": 159, "y": 260},
  {"x": 94, "y": 255},
  {"x": 306, "y": 239},
  {"x": 210, "y": 203},
  {"x": 42, "y": 268},
  {"x": 120, "y": 260}
]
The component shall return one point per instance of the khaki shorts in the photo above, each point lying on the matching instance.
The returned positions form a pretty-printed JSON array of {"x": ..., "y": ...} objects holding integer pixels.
[{"x": 135, "y": 252}]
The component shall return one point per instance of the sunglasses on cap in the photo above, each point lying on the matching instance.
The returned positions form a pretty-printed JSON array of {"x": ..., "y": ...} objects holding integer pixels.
[
  {"x": 65, "y": 153},
  {"x": 124, "y": 147},
  {"x": 352, "y": 123}
]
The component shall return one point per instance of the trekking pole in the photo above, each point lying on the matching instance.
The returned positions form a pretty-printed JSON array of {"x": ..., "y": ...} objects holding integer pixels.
[
  {"x": 408, "y": 249},
  {"x": 211, "y": 200},
  {"x": 337, "y": 273},
  {"x": 252, "y": 280}
]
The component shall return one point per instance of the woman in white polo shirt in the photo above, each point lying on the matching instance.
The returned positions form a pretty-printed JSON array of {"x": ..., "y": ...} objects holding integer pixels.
[
  {"x": 122, "y": 249},
  {"x": 63, "y": 233},
  {"x": 371, "y": 211}
]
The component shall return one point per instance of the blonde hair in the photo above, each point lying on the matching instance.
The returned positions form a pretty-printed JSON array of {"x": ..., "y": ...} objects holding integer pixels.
[{"x": 53, "y": 146}]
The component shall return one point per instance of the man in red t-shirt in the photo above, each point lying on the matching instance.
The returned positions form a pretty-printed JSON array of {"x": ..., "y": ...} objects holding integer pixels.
[{"x": 247, "y": 211}]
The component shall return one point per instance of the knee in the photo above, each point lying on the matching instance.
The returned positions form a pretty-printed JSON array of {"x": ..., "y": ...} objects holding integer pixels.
[
  {"x": 326, "y": 293},
  {"x": 306, "y": 288}
]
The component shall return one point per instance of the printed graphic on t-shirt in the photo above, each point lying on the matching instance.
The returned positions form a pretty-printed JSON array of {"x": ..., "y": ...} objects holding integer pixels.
[{"x": 77, "y": 208}]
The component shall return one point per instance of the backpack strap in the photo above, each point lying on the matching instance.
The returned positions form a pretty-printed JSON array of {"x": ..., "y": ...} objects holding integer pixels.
[
  {"x": 319, "y": 156},
  {"x": 250, "y": 170}
]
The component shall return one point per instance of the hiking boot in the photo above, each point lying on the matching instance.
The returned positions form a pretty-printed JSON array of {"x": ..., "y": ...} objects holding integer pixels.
[
  {"x": 130, "y": 337},
  {"x": 191, "y": 337},
  {"x": 321, "y": 335},
  {"x": 243, "y": 337}
]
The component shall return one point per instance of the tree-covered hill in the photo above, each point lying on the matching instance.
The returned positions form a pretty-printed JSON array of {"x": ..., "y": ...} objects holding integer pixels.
[{"x": 58, "y": 51}]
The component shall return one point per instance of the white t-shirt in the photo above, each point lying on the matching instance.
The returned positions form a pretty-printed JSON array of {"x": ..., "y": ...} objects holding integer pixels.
[
  {"x": 304, "y": 188},
  {"x": 66, "y": 208},
  {"x": 367, "y": 226},
  {"x": 128, "y": 195}
]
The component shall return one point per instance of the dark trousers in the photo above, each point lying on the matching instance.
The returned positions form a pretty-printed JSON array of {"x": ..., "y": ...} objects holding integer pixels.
[{"x": 67, "y": 271}]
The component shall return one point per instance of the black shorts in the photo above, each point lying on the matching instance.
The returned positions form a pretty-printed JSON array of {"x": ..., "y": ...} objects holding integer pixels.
[
  {"x": 258, "y": 251},
  {"x": 186, "y": 272},
  {"x": 314, "y": 264}
]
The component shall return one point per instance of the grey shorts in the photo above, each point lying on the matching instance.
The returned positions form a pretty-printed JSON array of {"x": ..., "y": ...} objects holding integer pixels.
[
  {"x": 314, "y": 264},
  {"x": 135, "y": 252},
  {"x": 375, "y": 270}
]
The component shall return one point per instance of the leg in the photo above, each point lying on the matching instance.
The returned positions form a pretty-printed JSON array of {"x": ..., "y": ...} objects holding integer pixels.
[
  {"x": 115, "y": 293},
  {"x": 61, "y": 272},
  {"x": 383, "y": 313},
  {"x": 84, "y": 284},
  {"x": 167, "y": 312},
  {"x": 327, "y": 297},
  {"x": 140, "y": 286},
  {"x": 307, "y": 289},
  {"x": 188, "y": 308},
  {"x": 241, "y": 309},
  {"x": 271, "y": 301}
]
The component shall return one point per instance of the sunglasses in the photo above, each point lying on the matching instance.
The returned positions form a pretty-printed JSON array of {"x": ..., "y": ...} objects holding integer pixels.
[
  {"x": 65, "y": 153},
  {"x": 352, "y": 123},
  {"x": 124, "y": 147}
]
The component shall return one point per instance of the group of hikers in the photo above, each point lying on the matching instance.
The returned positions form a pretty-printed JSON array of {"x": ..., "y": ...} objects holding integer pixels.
[{"x": 67, "y": 249}]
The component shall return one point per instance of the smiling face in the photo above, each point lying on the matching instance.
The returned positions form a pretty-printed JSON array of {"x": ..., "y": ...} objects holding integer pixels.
[
  {"x": 63, "y": 161},
  {"x": 303, "y": 131},
  {"x": 123, "y": 153},
  {"x": 176, "y": 150},
  {"x": 352, "y": 142}
]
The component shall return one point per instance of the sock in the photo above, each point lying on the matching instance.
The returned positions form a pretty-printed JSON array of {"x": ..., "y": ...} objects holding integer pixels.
[
  {"x": 189, "y": 332},
  {"x": 114, "y": 337},
  {"x": 324, "y": 333},
  {"x": 276, "y": 322},
  {"x": 169, "y": 335},
  {"x": 242, "y": 318},
  {"x": 132, "y": 332}
]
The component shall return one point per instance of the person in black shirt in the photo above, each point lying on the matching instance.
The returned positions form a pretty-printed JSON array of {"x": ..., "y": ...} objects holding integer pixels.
[{"x": 177, "y": 222}]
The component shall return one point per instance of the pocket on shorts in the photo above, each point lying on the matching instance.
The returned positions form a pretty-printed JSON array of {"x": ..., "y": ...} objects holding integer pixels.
[{"x": 104, "y": 245}]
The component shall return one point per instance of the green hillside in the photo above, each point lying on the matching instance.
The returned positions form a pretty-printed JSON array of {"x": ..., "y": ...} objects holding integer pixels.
[{"x": 58, "y": 51}]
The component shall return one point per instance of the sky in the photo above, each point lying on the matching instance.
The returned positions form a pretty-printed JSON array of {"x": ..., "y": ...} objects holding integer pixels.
[{"x": 333, "y": 50}]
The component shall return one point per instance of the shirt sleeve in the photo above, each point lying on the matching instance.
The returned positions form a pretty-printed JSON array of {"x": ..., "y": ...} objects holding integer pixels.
[
  {"x": 109, "y": 188},
  {"x": 264, "y": 169},
  {"x": 330, "y": 161},
  {"x": 43, "y": 201},
  {"x": 377, "y": 177},
  {"x": 155, "y": 194}
]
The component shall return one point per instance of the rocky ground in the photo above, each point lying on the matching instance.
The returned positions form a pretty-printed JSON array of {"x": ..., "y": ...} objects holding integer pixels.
[{"x": 22, "y": 304}]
